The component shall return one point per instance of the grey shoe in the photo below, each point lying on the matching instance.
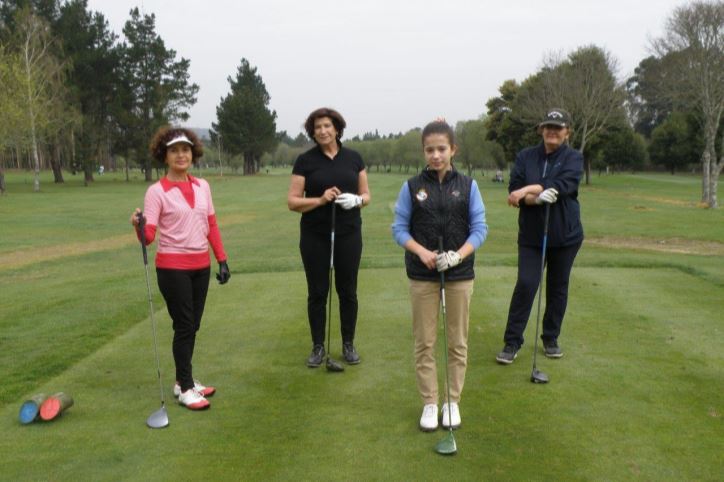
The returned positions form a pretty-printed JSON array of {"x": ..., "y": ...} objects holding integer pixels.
[
  {"x": 350, "y": 354},
  {"x": 552, "y": 350},
  {"x": 508, "y": 354},
  {"x": 315, "y": 359}
]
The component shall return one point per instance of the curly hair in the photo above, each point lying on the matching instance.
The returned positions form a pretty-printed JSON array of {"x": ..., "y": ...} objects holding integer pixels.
[
  {"x": 165, "y": 134},
  {"x": 336, "y": 117}
]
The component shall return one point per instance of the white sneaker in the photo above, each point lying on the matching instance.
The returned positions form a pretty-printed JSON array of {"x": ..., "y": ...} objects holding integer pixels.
[
  {"x": 454, "y": 415},
  {"x": 205, "y": 391},
  {"x": 428, "y": 421},
  {"x": 193, "y": 400}
]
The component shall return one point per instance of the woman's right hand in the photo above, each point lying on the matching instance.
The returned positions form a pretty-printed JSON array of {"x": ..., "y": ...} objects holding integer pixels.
[
  {"x": 134, "y": 217},
  {"x": 330, "y": 195},
  {"x": 428, "y": 258}
]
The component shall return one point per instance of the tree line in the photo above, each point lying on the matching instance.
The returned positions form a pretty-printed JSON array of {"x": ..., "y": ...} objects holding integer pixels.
[{"x": 75, "y": 95}]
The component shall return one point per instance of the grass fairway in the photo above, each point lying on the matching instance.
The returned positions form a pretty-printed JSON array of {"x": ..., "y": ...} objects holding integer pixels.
[{"x": 638, "y": 394}]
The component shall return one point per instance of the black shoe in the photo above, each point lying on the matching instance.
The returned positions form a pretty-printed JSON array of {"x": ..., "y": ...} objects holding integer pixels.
[
  {"x": 350, "y": 354},
  {"x": 315, "y": 359},
  {"x": 508, "y": 354},
  {"x": 552, "y": 350}
]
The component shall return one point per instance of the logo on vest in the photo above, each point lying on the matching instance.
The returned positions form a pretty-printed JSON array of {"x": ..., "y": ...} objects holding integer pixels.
[
  {"x": 421, "y": 195},
  {"x": 455, "y": 193}
]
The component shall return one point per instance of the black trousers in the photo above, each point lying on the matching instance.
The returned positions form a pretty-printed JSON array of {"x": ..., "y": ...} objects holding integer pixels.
[
  {"x": 185, "y": 295},
  {"x": 315, "y": 248},
  {"x": 559, "y": 262}
]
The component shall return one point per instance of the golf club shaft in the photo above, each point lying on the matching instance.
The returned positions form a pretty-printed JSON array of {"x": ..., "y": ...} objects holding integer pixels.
[
  {"x": 444, "y": 331},
  {"x": 331, "y": 270},
  {"x": 142, "y": 225},
  {"x": 540, "y": 283}
]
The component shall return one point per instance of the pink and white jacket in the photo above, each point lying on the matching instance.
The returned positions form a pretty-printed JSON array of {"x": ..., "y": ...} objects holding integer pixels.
[{"x": 184, "y": 215}]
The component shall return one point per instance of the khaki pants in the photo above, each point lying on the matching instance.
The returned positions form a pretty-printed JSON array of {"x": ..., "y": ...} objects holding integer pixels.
[{"x": 425, "y": 297}]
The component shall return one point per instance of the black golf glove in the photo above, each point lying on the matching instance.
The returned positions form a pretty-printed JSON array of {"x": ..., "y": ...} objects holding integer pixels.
[{"x": 224, "y": 274}]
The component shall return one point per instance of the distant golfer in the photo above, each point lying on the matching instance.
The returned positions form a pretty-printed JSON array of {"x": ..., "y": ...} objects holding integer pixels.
[
  {"x": 548, "y": 173},
  {"x": 180, "y": 208},
  {"x": 440, "y": 202},
  {"x": 329, "y": 174}
]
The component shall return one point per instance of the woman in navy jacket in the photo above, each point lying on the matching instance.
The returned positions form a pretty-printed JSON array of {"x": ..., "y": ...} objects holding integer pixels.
[{"x": 548, "y": 173}]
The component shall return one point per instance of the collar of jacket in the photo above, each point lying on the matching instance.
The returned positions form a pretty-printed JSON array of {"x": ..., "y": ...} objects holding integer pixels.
[
  {"x": 432, "y": 175},
  {"x": 168, "y": 185},
  {"x": 553, "y": 155}
]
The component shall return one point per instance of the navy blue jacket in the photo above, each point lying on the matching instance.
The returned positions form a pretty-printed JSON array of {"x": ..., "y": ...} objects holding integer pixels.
[{"x": 563, "y": 170}]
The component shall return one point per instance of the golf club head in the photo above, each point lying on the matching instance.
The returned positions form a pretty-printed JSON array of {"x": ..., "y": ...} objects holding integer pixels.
[
  {"x": 158, "y": 419},
  {"x": 538, "y": 376},
  {"x": 334, "y": 365},
  {"x": 447, "y": 446}
]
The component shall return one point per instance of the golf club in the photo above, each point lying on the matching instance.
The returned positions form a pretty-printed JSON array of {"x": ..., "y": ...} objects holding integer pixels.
[
  {"x": 331, "y": 364},
  {"x": 446, "y": 446},
  {"x": 538, "y": 376},
  {"x": 159, "y": 418}
]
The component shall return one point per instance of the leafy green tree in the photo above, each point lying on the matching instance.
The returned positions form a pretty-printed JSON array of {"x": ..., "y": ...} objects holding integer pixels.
[
  {"x": 623, "y": 148},
  {"x": 41, "y": 87},
  {"x": 648, "y": 106},
  {"x": 245, "y": 123},
  {"x": 473, "y": 149},
  {"x": 89, "y": 46},
  {"x": 507, "y": 130},
  {"x": 382, "y": 151},
  {"x": 674, "y": 144},
  {"x": 301, "y": 141},
  {"x": 694, "y": 38},
  {"x": 10, "y": 107},
  {"x": 154, "y": 88},
  {"x": 407, "y": 151}
]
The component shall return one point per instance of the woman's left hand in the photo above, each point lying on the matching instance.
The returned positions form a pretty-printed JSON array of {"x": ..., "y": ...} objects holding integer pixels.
[{"x": 348, "y": 200}]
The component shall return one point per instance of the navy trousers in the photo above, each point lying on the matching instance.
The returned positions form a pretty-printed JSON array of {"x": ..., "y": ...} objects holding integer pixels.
[{"x": 559, "y": 262}]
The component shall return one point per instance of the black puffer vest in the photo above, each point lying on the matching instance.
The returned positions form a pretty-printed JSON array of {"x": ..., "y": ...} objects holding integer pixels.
[{"x": 440, "y": 209}]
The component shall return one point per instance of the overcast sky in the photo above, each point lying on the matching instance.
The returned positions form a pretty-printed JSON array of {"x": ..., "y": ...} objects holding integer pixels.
[{"x": 389, "y": 65}]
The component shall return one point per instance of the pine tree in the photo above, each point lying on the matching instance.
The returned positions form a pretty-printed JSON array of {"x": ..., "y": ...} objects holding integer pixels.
[
  {"x": 245, "y": 123},
  {"x": 154, "y": 87}
]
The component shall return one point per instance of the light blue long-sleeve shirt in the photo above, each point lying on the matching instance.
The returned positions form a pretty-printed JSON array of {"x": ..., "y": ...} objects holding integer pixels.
[{"x": 476, "y": 214}]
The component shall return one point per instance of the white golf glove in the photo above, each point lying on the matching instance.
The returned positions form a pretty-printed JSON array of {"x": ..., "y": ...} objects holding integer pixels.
[
  {"x": 549, "y": 196},
  {"x": 448, "y": 260},
  {"x": 348, "y": 200}
]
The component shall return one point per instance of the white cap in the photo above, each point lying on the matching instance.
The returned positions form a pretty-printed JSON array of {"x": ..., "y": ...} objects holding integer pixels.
[{"x": 179, "y": 138}]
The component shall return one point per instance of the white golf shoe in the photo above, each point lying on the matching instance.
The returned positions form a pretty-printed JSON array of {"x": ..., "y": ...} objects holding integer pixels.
[
  {"x": 428, "y": 420},
  {"x": 205, "y": 391},
  {"x": 193, "y": 400},
  {"x": 454, "y": 415}
]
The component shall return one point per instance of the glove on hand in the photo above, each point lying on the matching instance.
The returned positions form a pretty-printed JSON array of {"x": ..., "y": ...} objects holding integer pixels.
[
  {"x": 224, "y": 274},
  {"x": 348, "y": 200},
  {"x": 549, "y": 196},
  {"x": 448, "y": 260}
]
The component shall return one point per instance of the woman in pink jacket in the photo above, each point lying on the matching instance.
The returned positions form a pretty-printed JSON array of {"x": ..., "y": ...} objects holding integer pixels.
[{"x": 179, "y": 208}]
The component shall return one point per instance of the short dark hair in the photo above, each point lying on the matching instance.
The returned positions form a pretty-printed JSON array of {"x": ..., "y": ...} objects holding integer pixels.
[
  {"x": 165, "y": 134},
  {"x": 336, "y": 117},
  {"x": 439, "y": 127}
]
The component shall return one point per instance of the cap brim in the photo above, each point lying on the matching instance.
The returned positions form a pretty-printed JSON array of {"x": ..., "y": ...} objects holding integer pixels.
[
  {"x": 552, "y": 123},
  {"x": 176, "y": 140}
]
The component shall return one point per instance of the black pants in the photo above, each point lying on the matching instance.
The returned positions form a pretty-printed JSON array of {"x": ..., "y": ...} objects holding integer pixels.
[
  {"x": 315, "y": 249},
  {"x": 559, "y": 262},
  {"x": 185, "y": 295}
]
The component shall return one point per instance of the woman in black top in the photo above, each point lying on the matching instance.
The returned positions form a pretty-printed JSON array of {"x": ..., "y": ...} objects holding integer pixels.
[
  {"x": 329, "y": 176},
  {"x": 548, "y": 173}
]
